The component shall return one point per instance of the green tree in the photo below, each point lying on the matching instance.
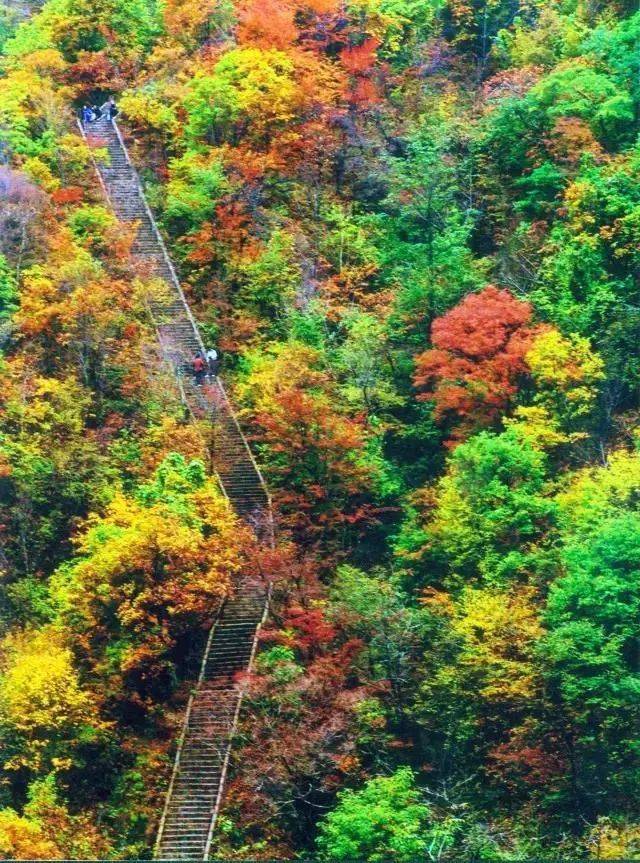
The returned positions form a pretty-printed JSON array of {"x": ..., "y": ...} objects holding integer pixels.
[
  {"x": 196, "y": 184},
  {"x": 364, "y": 363},
  {"x": 373, "y": 607},
  {"x": 384, "y": 820},
  {"x": 78, "y": 26},
  {"x": 8, "y": 291},
  {"x": 423, "y": 233},
  {"x": 592, "y": 661},
  {"x": 492, "y": 509}
]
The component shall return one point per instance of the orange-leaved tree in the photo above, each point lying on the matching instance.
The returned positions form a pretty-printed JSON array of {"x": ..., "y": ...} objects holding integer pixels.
[
  {"x": 312, "y": 449},
  {"x": 478, "y": 356}
]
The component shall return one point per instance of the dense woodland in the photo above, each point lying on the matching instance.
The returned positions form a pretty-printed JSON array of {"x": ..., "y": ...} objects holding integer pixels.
[{"x": 412, "y": 227}]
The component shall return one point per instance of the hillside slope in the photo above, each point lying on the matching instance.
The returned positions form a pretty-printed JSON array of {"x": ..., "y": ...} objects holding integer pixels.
[{"x": 411, "y": 230}]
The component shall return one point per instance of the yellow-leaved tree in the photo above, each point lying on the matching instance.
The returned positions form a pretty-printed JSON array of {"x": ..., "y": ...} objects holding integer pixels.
[
  {"x": 499, "y": 630},
  {"x": 148, "y": 570},
  {"x": 566, "y": 372},
  {"x": 24, "y": 839},
  {"x": 44, "y": 710},
  {"x": 611, "y": 840},
  {"x": 47, "y": 830}
]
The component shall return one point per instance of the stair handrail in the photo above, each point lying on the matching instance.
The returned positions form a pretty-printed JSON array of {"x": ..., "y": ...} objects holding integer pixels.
[
  {"x": 107, "y": 196},
  {"x": 103, "y": 185},
  {"x": 174, "y": 777},
  {"x": 230, "y": 413},
  {"x": 254, "y": 463},
  {"x": 232, "y": 726}
]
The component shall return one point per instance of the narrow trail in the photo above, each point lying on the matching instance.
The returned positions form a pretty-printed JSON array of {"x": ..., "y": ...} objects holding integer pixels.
[{"x": 197, "y": 784}]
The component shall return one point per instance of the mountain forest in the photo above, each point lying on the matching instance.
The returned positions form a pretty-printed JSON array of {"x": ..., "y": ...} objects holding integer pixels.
[{"x": 411, "y": 231}]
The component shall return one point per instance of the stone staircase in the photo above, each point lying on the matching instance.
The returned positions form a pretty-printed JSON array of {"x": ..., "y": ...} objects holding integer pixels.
[
  {"x": 196, "y": 787},
  {"x": 198, "y": 780}
]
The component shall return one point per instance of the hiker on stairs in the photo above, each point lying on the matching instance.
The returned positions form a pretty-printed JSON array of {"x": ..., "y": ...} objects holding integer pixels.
[
  {"x": 109, "y": 109},
  {"x": 199, "y": 368},
  {"x": 213, "y": 363}
]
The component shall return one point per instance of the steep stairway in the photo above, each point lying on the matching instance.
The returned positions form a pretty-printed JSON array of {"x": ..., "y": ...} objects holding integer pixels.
[{"x": 197, "y": 783}]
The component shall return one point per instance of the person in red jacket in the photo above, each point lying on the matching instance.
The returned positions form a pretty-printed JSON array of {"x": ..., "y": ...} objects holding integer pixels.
[{"x": 199, "y": 368}]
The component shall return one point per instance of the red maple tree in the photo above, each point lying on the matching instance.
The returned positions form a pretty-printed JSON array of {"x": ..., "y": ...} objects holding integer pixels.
[{"x": 478, "y": 356}]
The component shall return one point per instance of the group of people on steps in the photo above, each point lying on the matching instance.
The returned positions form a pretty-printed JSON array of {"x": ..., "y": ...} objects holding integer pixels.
[
  {"x": 91, "y": 113},
  {"x": 205, "y": 366}
]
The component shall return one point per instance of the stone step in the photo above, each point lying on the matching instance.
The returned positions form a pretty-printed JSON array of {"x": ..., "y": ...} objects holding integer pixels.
[
  {"x": 224, "y": 646},
  {"x": 232, "y": 645}
]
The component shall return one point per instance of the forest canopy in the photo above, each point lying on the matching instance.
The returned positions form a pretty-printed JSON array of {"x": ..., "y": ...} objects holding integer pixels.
[{"x": 411, "y": 228}]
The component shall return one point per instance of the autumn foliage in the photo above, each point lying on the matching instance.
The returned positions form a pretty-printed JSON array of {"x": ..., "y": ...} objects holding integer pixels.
[
  {"x": 478, "y": 357},
  {"x": 412, "y": 231}
]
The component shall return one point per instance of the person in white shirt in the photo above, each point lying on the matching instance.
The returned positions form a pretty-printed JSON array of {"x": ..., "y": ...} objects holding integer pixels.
[
  {"x": 109, "y": 109},
  {"x": 212, "y": 362}
]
